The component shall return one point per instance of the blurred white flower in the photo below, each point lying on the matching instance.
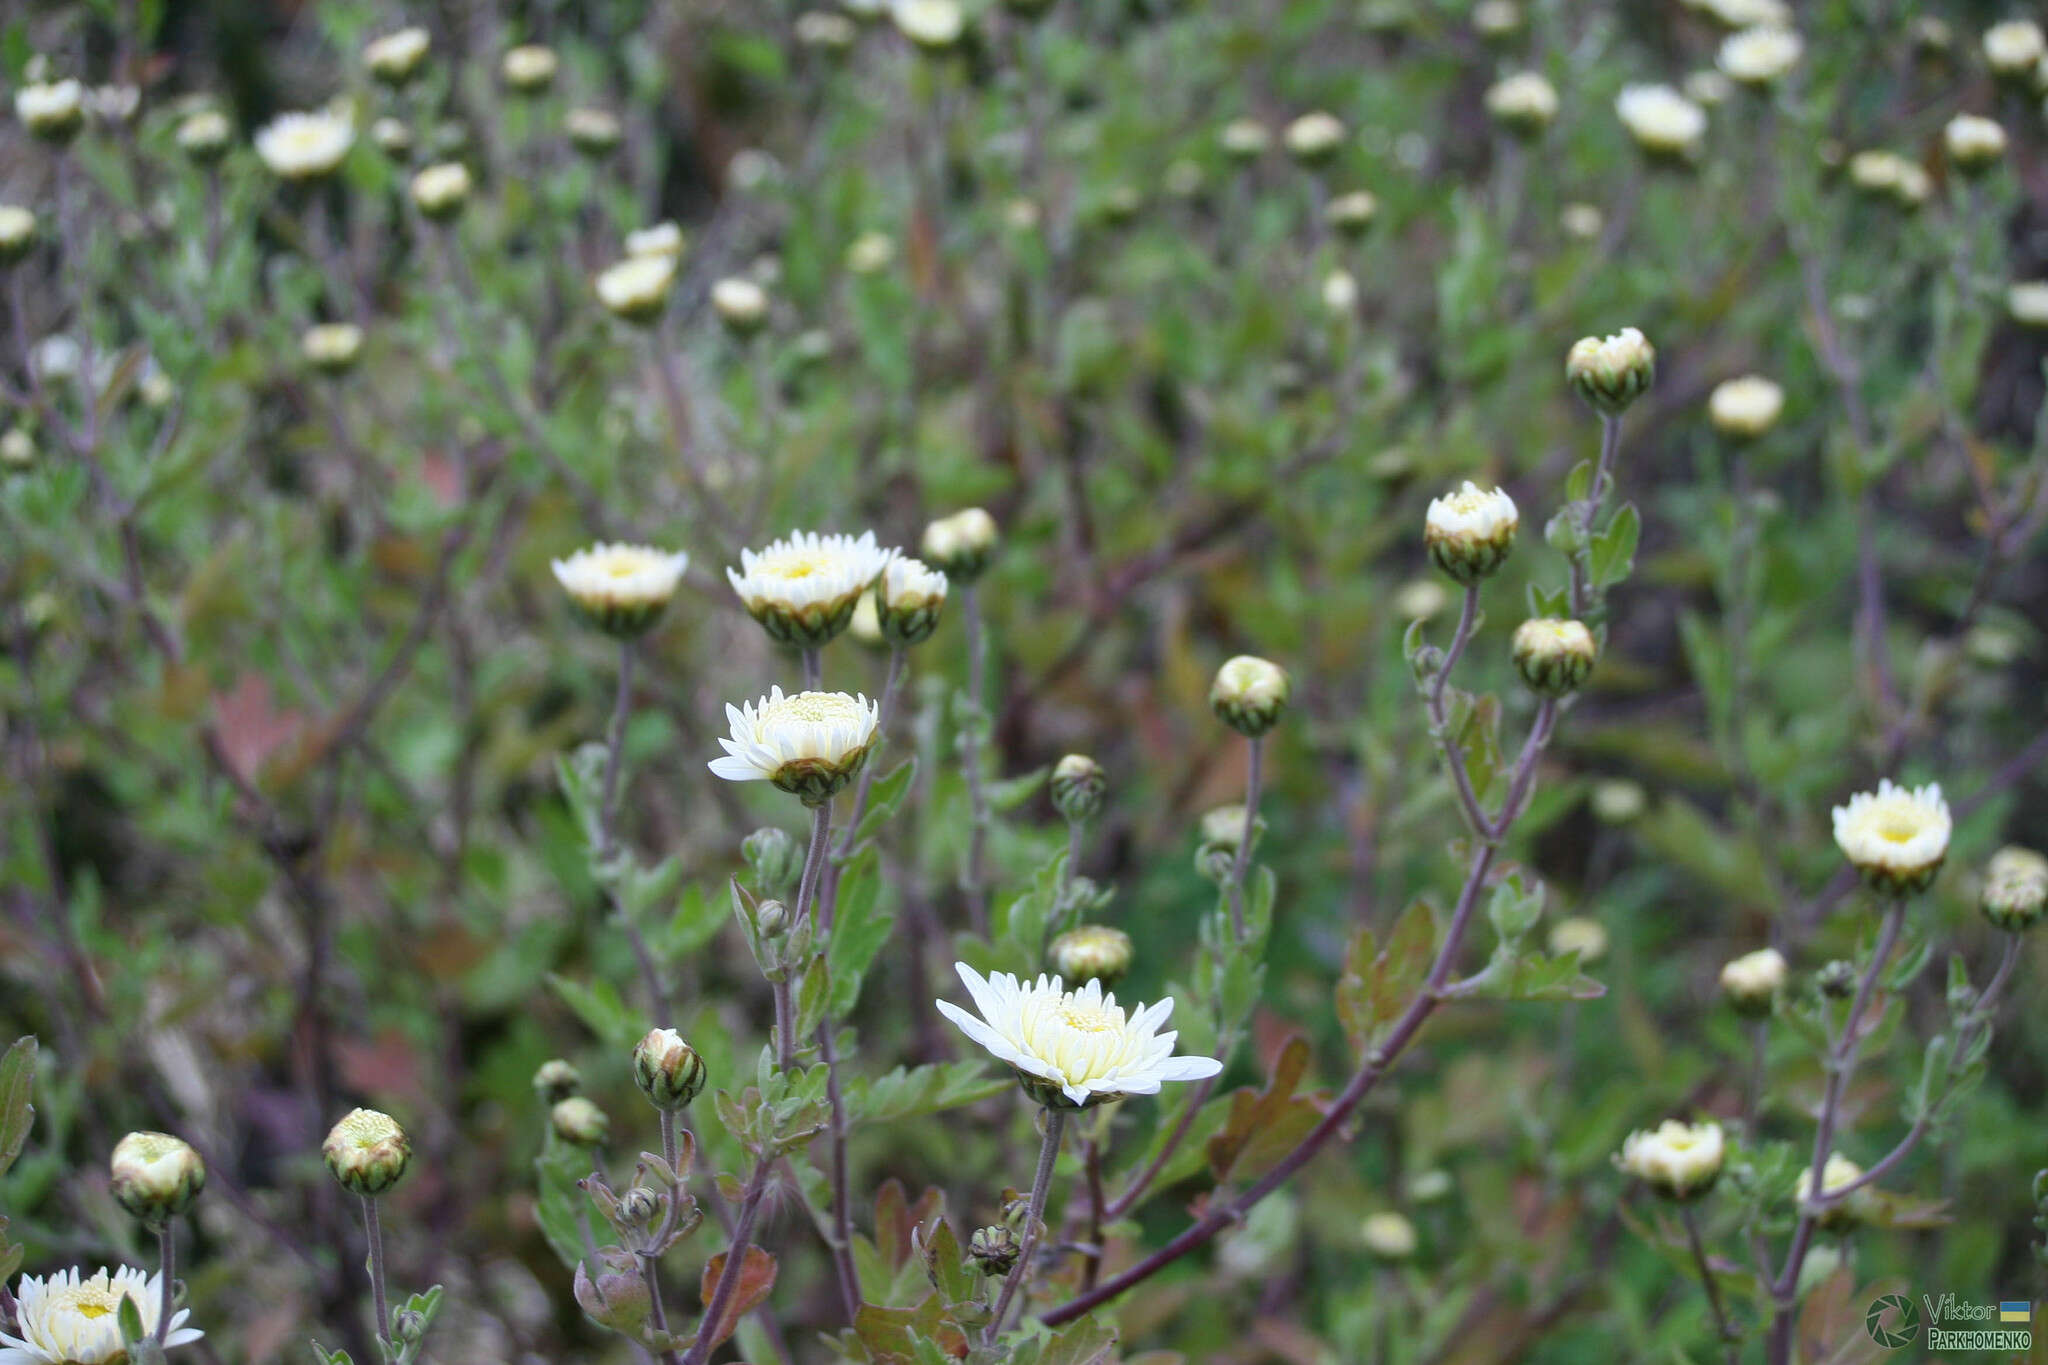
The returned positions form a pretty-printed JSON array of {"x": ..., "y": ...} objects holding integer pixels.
[
  {"x": 740, "y": 303},
  {"x": 621, "y": 588},
  {"x": 395, "y": 57},
  {"x": 636, "y": 289},
  {"x": 1759, "y": 56},
  {"x": 1680, "y": 1161},
  {"x": 52, "y": 110},
  {"x": 664, "y": 239},
  {"x": 2012, "y": 49},
  {"x": 529, "y": 68},
  {"x": 1974, "y": 143},
  {"x": 1524, "y": 102},
  {"x": 1746, "y": 407},
  {"x": 933, "y": 25},
  {"x": 305, "y": 146},
  {"x": 802, "y": 589},
  {"x": 1662, "y": 121},
  {"x": 1313, "y": 138}
]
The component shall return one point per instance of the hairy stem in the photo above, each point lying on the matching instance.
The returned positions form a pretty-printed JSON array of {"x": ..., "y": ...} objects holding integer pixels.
[
  {"x": 735, "y": 1261},
  {"x": 1723, "y": 1328},
  {"x": 167, "y": 1254},
  {"x": 373, "y": 1229}
]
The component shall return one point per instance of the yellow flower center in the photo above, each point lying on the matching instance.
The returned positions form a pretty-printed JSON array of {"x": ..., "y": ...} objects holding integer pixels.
[
  {"x": 822, "y": 708},
  {"x": 1898, "y": 829},
  {"x": 797, "y": 565},
  {"x": 89, "y": 1301},
  {"x": 1090, "y": 1018}
]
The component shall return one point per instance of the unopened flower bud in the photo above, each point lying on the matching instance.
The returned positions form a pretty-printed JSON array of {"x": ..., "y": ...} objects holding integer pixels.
[
  {"x": 1496, "y": 19},
  {"x": 741, "y": 305},
  {"x": 1388, "y": 1236},
  {"x": 530, "y": 69},
  {"x": 1760, "y": 56},
  {"x": 579, "y": 1122},
  {"x": 17, "y": 232},
  {"x": 1313, "y": 139},
  {"x": 1617, "y": 800},
  {"x": 775, "y": 857},
  {"x": 934, "y": 26},
  {"x": 908, "y": 598},
  {"x": 593, "y": 132},
  {"x": 1679, "y": 1161},
  {"x": 332, "y": 347},
  {"x": 1245, "y": 139},
  {"x": 2014, "y": 902},
  {"x": 1250, "y": 694},
  {"x": 156, "y": 1176},
  {"x": 53, "y": 111},
  {"x": 1078, "y": 786},
  {"x": 1836, "y": 980},
  {"x": 1612, "y": 372},
  {"x": 367, "y": 1152},
  {"x": 1351, "y": 215},
  {"x": 617, "y": 1296},
  {"x": 636, "y": 289},
  {"x": 2027, "y": 303},
  {"x": 442, "y": 191},
  {"x": 17, "y": 449},
  {"x": 1752, "y": 982},
  {"x": 1554, "y": 656},
  {"x": 1524, "y": 104},
  {"x": 668, "y": 1070},
  {"x": 2014, "y": 49},
  {"x": 960, "y": 545},
  {"x": 994, "y": 1249},
  {"x": 557, "y": 1080},
  {"x": 1469, "y": 533},
  {"x": 1974, "y": 144},
  {"x": 392, "y": 137},
  {"x": 1578, "y": 934},
  {"x": 771, "y": 921},
  {"x": 1746, "y": 408},
  {"x": 639, "y": 1207},
  {"x": 1837, "y": 1172},
  {"x": 1091, "y": 952},
  {"x": 1223, "y": 830},
  {"x": 408, "y": 1324},
  {"x": 205, "y": 135},
  {"x": 397, "y": 57}
]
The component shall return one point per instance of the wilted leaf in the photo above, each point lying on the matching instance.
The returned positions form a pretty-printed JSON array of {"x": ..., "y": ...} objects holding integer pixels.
[{"x": 757, "y": 1278}]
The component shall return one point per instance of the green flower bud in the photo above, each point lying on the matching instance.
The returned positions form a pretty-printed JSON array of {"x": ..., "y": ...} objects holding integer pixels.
[
  {"x": 1752, "y": 982},
  {"x": 668, "y": 1070},
  {"x": 2014, "y": 903},
  {"x": 775, "y": 858},
  {"x": 994, "y": 1249},
  {"x": 156, "y": 1176},
  {"x": 556, "y": 1081},
  {"x": 1091, "y": 952},
  {"x": 1249, "y": 694},
  {"x": 960, "y": 545},
  {"x": 17, "y": 232},
  {"x": 908, "y": 598},
  {"x": 1554, "y": 657},
  {"x": 367, "y": 1152},
  {"x": 1837, "y": 980},
  {"x": 1078, "y": 786},
  {"x": 579, "y": 1122}
]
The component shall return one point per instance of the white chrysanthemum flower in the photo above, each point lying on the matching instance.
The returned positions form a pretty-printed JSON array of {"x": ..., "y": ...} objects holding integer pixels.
[
  {"x": 2027, "y": 301},
  {"x": 2014, "y": 47},
  {"x": 1749, "y": 13},
  {"x": 1525, "y": 102},
  {"x": 1894, "y": 836},
  {"x": 1073, "y": 1049},
  {"x": 802, "y": 590},
  {"x": 1680, "y": 1161},
  {"x": 305, "y": 146},
  {"x": 395, "y": 57},
  {"x": 1582, "y": 221},
  {"x": 52, "y": 110},
  {"x": 908, "y": 598},
  {"x": 392, "y": 137},
  {"x": 621, "y": 588},
  {"x": 809, "y": 744},
  {"x": 1746, "y": 407},
  {"x": 1662, "y": 121},
  {"x": 870, "y": 253},
  {"x": 1759, "y": 56},
  {"x": 529, "y": 68},
  {"x": 1611, "y": 372},
  {"x": 1352, "y": 214},
  {"x": 934, "y": 25},
  {"x": 636, "y": 289},
  {"x": 1313, "y": 137},
  {"x": 1388, "y": 1236},
  {"x": 1578, "y": 934},
  {"x": 442, "y": 190},
  {"x": 1469, "y": 532},
  {"x": 1496, "y": 18},
  {"x": 75, "y": 1319},
  {"x": 332, "y": 346},
  {"x": 1752, "y": 980},
  {"x": 1340, "y": 293},
  {"x": 1974, "y": 143}
]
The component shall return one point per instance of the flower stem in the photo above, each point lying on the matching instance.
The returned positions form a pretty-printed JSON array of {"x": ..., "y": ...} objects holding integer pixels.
[
  {"x": 167, "y": 1254},
  {"x": 607, "y": 814},
  {"x": 1242, "y": 863},
  {"x": 974, "y": 880},
  {"x": 1041, "y": 1182},
  {"x": 814, "y": 860},
  {"x": 885, "y": 712},
  {"x": 735, "y": 1263},
  {"x": 1722, "y": 1326},
  {"x": 373, "y": 1229}
]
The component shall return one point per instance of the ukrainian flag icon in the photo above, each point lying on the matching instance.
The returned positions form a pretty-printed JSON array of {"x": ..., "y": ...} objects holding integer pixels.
[{"x": 2015, "y": 1310}]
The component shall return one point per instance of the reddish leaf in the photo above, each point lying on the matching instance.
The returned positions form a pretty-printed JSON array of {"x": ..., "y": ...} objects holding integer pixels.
[
  {"x": 1263, "y": 1126},
  {"x": 251, "y": 728},
  {"x": 757, "y": 1278},
  {"x": 892, "y": 1224}
]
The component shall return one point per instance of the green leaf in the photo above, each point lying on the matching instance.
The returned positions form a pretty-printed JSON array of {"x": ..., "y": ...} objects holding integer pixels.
[
  {"x": 1614, "y": 549},
  {"x": 931, "y": 1089},
  {"x": 561, "y": 1208},
  {"x": 946, "y": 1265},
  {"x": 601, "y": 1009},
  {"x": 17, "y": 1084},
  {"x": 861, "y": 924},
  {"x": 1376, "y": 984},
  {"x": 1533, "y": 976},
  {"x": 883, "y": 799}
]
